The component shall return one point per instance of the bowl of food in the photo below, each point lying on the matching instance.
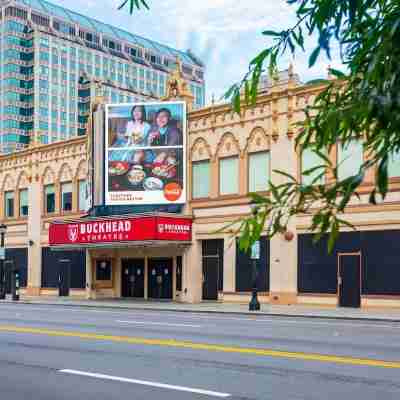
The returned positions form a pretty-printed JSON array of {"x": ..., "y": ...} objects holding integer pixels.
[
  {"x": 164, "y": 170},
  {"x": 136, "y": 175},
  {"x": 153, "y": 184},
  {"x": 118, "y": 167}
]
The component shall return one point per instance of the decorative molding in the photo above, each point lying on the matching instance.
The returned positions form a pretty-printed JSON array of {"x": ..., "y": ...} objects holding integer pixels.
[{"x": 200, "y": 144}]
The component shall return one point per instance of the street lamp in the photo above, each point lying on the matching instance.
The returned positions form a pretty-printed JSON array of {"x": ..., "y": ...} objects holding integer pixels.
[
  {"x": 3, "y": 230},
  {"x": 254, "y": 304}
]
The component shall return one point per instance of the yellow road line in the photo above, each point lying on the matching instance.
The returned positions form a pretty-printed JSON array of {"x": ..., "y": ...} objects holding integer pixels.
[{"x": 207, "y": 347}]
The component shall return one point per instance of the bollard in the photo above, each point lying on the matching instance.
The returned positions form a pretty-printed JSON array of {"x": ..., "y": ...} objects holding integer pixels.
[{"x": 15, "y": 295}]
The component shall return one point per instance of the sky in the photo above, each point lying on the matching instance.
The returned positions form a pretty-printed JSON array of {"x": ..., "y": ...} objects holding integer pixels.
[{"x": 225, "y": 34}]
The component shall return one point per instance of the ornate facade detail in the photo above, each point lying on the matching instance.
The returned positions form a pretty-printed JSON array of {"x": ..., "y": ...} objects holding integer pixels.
[
  {"x": 178, "y": 88},
  {"x": 65, "y": 173},
  {"x": 8, "y": 183},
  {"x": 82, "y": 170},
  {"x": 200, "y": 150},
  {"x": 48, "y": 176},
  {"x": 23, "y": 180},
  {"x": 258, "y": 140},
  {"x": 228, "y": 146}
]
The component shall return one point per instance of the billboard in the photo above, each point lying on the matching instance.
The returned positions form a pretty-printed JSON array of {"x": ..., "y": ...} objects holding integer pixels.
[{"x": 145, "y": 153}]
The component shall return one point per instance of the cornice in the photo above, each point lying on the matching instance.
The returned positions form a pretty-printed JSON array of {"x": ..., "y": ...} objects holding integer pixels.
[{"x": 262, "y": 99}]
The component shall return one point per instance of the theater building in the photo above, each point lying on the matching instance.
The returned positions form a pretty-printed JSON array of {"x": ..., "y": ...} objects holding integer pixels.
[{"x": 186, "y": 253}]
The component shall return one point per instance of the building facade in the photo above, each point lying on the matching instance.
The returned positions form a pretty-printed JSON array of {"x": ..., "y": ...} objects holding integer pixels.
[
  {"x": 47, "y": 56},
  {"x": 229, "y": 156}
]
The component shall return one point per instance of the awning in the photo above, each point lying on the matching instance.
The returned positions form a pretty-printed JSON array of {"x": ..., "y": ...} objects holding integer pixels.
[{"x": 121, "y": 231}]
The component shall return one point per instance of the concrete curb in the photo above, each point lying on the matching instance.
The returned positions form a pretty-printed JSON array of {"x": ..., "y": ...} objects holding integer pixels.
[{"x": 217, "y": 312}]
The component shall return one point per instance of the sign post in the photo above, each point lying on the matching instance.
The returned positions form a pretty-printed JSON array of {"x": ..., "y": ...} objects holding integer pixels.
[{"x": 254, "y": 304}]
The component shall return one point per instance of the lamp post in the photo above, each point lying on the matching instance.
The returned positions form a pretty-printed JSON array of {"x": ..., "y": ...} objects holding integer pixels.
[
  {"x": 254, "y": 304},
  {"x": 3, "y": 230}
]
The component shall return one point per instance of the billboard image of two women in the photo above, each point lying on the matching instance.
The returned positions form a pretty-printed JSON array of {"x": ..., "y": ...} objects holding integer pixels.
[{"x": 145, "y": 153}]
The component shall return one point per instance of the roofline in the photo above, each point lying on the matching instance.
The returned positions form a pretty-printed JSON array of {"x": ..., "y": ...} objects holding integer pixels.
[{"x": 181, "y": 52}]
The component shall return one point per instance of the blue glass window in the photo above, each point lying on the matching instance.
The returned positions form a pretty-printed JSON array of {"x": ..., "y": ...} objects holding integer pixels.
[
  {"x": 44, "y": 56},
  {"x": 44, "y": 112},
  {"x": 43, "y": 84},
  {"x": 43, "y": 126}
]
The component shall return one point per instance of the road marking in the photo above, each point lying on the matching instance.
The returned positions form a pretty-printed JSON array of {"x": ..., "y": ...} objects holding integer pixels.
[
  {"x": 207, "y": 347},
  {"x": 146, "y": 383},
  {"x": 158, "y": 323},
  {"x": 262, "y": 320}
]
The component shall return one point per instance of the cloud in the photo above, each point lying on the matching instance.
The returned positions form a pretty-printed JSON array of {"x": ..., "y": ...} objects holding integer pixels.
[{"x": 225, "y": 34}]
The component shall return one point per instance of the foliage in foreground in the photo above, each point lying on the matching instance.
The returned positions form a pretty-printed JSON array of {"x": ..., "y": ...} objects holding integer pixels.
[{"x": 363, "y": 103}]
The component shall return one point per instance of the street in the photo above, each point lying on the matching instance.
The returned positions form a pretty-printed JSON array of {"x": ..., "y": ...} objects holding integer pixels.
[{"x": 60, "y": 352}]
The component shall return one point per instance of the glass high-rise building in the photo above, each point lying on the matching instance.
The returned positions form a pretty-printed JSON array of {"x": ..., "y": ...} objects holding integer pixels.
[{"x": 48, "y": 57}]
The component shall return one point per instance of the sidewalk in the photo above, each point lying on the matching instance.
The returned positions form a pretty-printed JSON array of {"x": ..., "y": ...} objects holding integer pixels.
[{"x": 299, "y": 311}]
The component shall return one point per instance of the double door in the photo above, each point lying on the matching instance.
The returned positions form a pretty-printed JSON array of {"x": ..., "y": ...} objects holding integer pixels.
[
  {"x": 160, "y": 278},
  {"x": 132, "y": 279}
]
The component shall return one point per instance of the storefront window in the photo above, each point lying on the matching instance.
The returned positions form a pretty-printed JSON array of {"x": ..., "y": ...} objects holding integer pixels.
[
  {"x": 228, "y": 176},
  {"x": 82, "y": 196},
  {"x": 66, "y": 196},
  {"x": 309, "y": 160},
  {"x": 201, "y": 179},
  {"x": 9, "y": 204},
  {"x": 258, "y": 171},
  {"x": 103, "y": 270},
  {"x": 350, "y": 159},
  {"x": 50, "y": 199},
  {"x": 23, "y": 203},
  {"x": 394, "y": 165}
]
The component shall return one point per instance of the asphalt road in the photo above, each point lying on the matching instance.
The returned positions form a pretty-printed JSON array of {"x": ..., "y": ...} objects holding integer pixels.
[{"x": 57, "y": 352}]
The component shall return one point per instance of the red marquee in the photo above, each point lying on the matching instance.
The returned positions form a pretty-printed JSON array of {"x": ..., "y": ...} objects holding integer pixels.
[{"x": 124, "y": 229}]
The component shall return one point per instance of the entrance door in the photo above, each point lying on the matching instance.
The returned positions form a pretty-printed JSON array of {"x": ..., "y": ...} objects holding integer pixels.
[
  {"x": 132, "y": 278},
  {"x": 8, "y": 267},
  {"x": 64, "y": 277},
  {"x": 210, "y": 277},
  {"x": 349, "y": 279},
  {"x": 160, "y": 278}
]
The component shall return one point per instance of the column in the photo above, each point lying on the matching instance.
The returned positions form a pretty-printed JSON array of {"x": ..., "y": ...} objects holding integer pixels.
[
  {"x": 192, "y": 274},
  {"x": 229, "y": 264},
  {"x": 283, "y": 257},
  {"x": 118, "y": 272},
  {"x": 34, "y": 236},
  {"x": 89, "y": 275},
  {"x": 283, "y": 269},
  {"x": 75, "y": 195},
  {"x": 174, "y": 278},
  {"x": 146, "y": 277}
]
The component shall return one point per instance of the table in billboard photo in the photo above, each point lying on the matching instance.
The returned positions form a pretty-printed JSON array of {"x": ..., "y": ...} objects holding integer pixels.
[
  {"x": 145, "y": 170},
  {"x": 145, "y": 153}
]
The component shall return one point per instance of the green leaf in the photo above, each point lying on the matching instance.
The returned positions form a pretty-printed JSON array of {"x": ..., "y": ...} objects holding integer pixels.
[
  {"x": 314, "y": 56},
  {"x": 372, "y": 197},
  {"x": 283, "y": 173},
  {"x": 333, "y": 236},
  {"x": 272, "y": 33},
  {"x": 259, "y": 59},
  {"x": 337, "y": 73},
  {"x": 383, "y": 176}
]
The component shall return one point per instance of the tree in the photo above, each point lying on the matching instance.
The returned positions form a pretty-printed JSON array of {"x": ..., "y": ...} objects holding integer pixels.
[{"x": 362, "y": 103}]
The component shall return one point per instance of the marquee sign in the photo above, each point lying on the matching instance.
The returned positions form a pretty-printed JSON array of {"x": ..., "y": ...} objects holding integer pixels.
[{"x": 113, "y": 230}]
